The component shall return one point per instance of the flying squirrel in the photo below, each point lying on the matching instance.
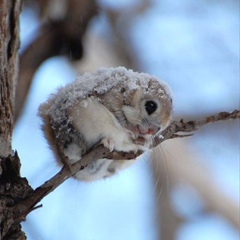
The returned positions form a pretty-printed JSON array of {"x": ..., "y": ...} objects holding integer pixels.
[{"x": 113, "y": 106}]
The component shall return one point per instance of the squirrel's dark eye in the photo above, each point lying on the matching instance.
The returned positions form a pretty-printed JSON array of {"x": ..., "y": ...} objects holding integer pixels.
[{"x": 150, "y": 107}]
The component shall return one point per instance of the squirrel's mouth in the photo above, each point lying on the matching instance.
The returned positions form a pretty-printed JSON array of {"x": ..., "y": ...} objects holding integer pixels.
[
  {"x": 146, "y": 130},
  {"x": 142, "y": 131}
]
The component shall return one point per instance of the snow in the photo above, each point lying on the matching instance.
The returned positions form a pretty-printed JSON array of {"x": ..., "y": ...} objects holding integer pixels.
[{"x": 100, "y": 82}]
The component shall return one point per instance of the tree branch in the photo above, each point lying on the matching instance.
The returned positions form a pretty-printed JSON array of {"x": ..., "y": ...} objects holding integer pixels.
[
  {"x": 190, "y": 126},
  {"x": 13, "y": 188},
  {"x": 27, "y": 205}
]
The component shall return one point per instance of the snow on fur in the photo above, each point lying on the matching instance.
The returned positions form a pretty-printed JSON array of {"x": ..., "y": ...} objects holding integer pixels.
[{"x": 98, "y": 82}]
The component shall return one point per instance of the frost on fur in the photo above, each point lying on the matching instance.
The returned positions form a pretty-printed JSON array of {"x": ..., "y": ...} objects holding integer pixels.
[{"x": 99, "y": 82}]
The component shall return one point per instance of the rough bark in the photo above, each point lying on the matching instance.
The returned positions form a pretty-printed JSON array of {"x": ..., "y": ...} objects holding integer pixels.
[
  {"x": 13, "y": 188},
  {"x": 9, "y": 37}
]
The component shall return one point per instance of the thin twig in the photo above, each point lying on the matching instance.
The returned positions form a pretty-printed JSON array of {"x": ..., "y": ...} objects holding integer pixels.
[
  {"x": 190, "y": 126},
  {"x": 27, "y": 205}
]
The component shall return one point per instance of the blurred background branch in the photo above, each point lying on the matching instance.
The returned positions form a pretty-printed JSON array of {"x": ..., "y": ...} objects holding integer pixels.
[{"x": 58, "y": 35}]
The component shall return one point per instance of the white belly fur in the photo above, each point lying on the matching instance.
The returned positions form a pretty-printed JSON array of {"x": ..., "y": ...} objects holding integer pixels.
[{"x": 96, "y": 122}]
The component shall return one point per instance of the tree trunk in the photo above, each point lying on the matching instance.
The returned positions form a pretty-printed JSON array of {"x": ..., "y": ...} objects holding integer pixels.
[{"x": 13, "y": 188}]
